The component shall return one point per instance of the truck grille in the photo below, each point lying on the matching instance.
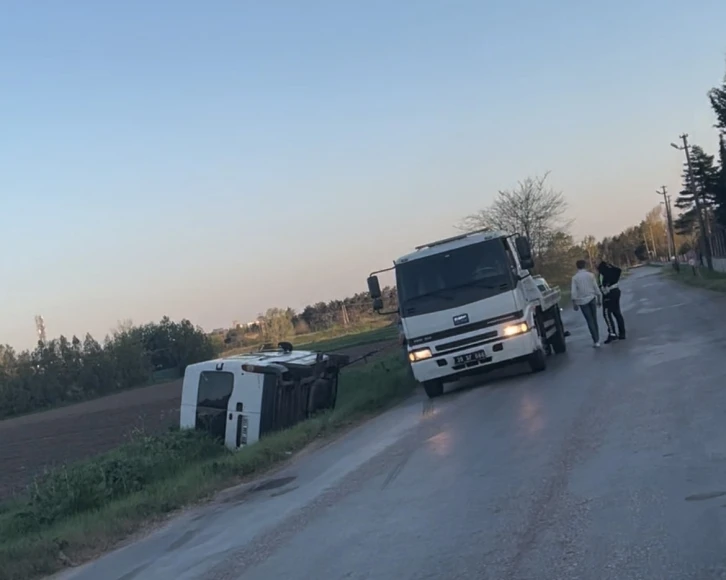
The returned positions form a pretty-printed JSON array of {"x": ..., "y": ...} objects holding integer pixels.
[
  {"x": 459, "y": 330},
  {"x": 465, "y": 341}
]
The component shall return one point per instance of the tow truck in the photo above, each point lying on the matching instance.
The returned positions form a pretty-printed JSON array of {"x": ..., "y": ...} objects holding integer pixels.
[{"x": 468, "y": 304}]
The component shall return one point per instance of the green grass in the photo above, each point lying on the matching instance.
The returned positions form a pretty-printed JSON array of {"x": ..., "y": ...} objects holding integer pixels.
[
  {"x": 389, "y": 332},
  {"x": 76, "y": 512},
  {"x": 704, "y": 278}
]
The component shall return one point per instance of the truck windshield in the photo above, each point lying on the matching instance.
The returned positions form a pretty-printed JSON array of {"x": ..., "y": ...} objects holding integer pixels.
[{"x": 453, "y": 278}]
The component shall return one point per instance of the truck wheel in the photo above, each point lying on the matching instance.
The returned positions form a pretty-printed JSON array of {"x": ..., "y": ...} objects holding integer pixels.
[
  {"x": 539, "y": 325},
  {"x": 433, "y": 388},
  {"x": 558, "y": 342},
  {"x": 537, "y": 361}
]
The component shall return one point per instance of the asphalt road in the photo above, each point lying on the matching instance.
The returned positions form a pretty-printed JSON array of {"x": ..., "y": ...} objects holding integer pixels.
[{"x": 609, "y": 465}]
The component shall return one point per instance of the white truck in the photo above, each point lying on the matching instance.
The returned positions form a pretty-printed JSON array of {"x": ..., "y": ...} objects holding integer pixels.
[
  {"x": 241, "y": 398},
  {"x": 468, "y": 304}
]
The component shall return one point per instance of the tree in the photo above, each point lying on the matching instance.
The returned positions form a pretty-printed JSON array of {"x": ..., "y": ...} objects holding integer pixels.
[
  {"x": 557, "y": 260},
  {"x": 590, "y": 249},
  {"x": 703, "y": 180},
  {"x": 532, "y": 209},
  {"x": 720, "y": 188},
  {"x": 626, "y": 248},
  {"x": 62, "y": 370},
  {"x": 655, "y": 231},
  {"x": 717, "y": 96},
  {"x": 277, "y": 324}
]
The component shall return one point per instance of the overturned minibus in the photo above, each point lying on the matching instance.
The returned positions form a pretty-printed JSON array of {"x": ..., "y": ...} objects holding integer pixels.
[{"x": 240, "y": 399}]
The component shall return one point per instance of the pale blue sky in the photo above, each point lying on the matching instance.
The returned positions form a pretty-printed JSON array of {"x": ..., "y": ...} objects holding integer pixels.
[{"x": 210, "y": 159}]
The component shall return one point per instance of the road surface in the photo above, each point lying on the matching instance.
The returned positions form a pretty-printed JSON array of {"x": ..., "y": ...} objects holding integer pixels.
[{"x": 610, "y": 465}]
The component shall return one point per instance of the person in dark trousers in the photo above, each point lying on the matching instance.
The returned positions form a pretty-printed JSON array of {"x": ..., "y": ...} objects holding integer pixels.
[{"x": 609, "y": 279}]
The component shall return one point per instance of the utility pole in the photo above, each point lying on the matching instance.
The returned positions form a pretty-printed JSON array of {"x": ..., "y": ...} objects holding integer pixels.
[
  {"x": 669, "y": 219},
  {"x": 697, "y": 199},
  {"x": 647, "y": 248}
]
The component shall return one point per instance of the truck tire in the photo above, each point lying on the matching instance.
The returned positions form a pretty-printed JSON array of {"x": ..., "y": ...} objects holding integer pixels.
[
  {"x": 558, "y": 342},
  {"x": 537, "y": 361},
  {"x": 541, "y": 332},
  {"x": 322, "y": 396},
  {"x": 433, "y": 388}
]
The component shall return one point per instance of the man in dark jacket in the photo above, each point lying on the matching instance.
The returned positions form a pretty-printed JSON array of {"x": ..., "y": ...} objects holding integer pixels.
[{"x": 609, "y": 279}]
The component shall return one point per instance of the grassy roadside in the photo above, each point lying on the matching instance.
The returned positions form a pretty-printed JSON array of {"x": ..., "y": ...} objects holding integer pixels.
[
  {"x": 703, "y": 278},
  {"x": 79, "y": 511}
]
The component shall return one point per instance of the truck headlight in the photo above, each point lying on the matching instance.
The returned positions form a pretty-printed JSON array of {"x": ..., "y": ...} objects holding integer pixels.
[
  {"x": 420, "y": 354},
  {"x": 515, "y": 329}
]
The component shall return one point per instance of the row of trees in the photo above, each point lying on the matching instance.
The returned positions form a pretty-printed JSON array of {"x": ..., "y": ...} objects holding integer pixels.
[
  {"x": 62, "y": 370},
  {"x": 705, "y": 182},
  {"x": 282, "y": 323}
]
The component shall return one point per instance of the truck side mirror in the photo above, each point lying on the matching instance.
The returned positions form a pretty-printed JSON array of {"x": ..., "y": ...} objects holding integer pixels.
[
  {"x": 374, "y": 288},
  {"x": 525, "y": 252},
  {"x": 377, "y": 304}
]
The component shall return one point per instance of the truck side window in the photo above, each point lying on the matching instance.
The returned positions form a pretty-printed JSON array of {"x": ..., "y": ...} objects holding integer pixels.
[{"x": 510, "y": 259}]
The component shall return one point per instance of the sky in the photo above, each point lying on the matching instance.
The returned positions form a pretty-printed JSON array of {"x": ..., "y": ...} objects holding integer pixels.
[{"x": 207, "y": 160}]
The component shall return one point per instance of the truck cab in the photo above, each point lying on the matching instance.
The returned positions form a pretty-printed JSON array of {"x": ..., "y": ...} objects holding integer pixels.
[{"x": 468, "y": 304}]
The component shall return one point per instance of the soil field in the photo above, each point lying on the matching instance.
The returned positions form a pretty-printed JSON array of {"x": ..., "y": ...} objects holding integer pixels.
[{"x": 32, "y": 443}]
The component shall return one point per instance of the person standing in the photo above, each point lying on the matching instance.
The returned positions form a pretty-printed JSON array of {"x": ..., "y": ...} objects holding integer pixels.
[
  {"x": 586, "y": 296},
  {"x": 609, "y": 279}
]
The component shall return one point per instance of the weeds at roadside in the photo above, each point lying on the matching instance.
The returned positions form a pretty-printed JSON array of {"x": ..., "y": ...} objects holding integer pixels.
[
  {"x": 703, "y": 278},
  {"x": 76, "y": 512}
]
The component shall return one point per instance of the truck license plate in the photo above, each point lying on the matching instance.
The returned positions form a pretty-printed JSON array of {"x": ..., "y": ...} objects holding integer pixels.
[{"x": 469, "y": 357}]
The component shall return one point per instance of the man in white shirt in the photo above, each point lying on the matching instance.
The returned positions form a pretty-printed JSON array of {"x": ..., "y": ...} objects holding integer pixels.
[{"x": 586, "y": 296}]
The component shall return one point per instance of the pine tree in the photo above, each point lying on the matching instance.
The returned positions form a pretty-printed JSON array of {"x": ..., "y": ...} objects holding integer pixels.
[
  {"x": 720, "y": 191},
  {"x": 686, "y": 224},
  {"x": 706, "y": 177},
  {"x": 717, "y": 96}
]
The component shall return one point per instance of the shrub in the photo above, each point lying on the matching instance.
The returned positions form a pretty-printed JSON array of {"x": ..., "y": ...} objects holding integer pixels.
[{"x": 73, "y": 489}]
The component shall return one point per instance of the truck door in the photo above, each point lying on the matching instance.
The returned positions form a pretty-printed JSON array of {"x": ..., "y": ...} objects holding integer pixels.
[
  {"x": 243, "y": 414},
  {"x": 213, "y": 395}
]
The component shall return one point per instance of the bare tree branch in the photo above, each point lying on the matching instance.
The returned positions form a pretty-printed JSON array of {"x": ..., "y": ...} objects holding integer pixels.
[{"x": 532, "y": 209}]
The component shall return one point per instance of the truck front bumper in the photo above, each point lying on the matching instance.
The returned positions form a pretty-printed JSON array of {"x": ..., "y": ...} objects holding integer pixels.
[{"x": 449, "y": 366}]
